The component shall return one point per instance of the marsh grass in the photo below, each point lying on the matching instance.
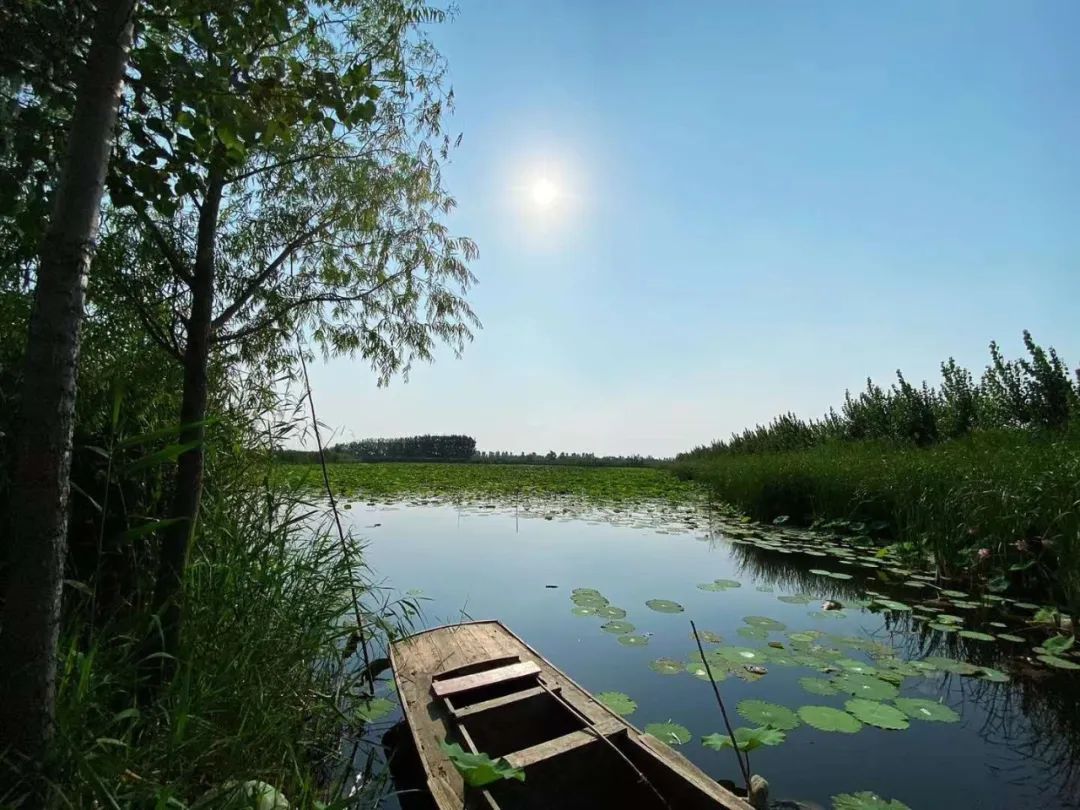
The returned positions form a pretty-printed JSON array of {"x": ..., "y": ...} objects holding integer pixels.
[
  {"x": 265, "y": 688},
  {"x": 1014, "y": 494}
]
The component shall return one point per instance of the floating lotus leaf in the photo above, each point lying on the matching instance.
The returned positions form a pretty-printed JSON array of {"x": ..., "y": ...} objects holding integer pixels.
[
  {"x": 826, "y": 718},
  {"x": 942, "y": 628},
  {"x": 708, "y": 637},
  {"x": 915, "y": 583},
  {"x": 949, "y": 618},
  {"x": 904, "y": 668},
  {"x": 865, "y": 686},
  {"x": 963, "y": 604},
  {"x": 771, "y": 625},
  {"x": 1002, "y": 625},
  {"x": 826, "y": 614},
  {"x": 890, "y": 604},
  {"x": 747, "y": 739},
  {"x": 818, "y": 686},
  {"x": 589, "y": 600},
  {"x": 755, "y": 633},
  {"x": 618, "y": 702},
  {"x": 975, "y": 635},
  {"x": 583, "y": 611},
  {"x": 768, "y": 714},
  {"x": 1025, "y": 605},
  {"x": 929, "y": 710},
  {"x": 738, "y": 655},
  {"x": 720, "y": 585},
  {"x": 669, "y": 732},
  {"x": 633, "y": 641},
  {"x": 698, "y": 670},
  {"x": 371, "y": 710},
  {"x": 664, "y": 606},
  {"x": 617, "y": 627},
  {"x": 865, "y": 800},
  {"x": 764, "y": 588},
  {"x": 952, "y": 665},
  {"x": 1012, "y": 638},
  {"x": 749, "y": 672},
  {"x": 585, "y": 592},
  {"x": 953, "y": 594},
  {"x": 666, "y": 666},
  {"x": 803, "y": 637},
  {"x": 1059, "y": 663},
  {"x": 873, "y": 713},
  {"x": 994, "y": 675},
  {"x": 831, "y": 574},
  {"x": 610, "y": 612},
  {"x": 858, "y": 667},
  {"x": 797, "y": 599}
]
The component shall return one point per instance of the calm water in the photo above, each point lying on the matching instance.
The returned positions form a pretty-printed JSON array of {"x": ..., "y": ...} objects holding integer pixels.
[{"x": 1015, "y": 745}]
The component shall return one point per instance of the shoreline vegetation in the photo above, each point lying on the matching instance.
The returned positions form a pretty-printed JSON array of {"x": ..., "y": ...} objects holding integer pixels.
[{"x": 978, "y": 480}]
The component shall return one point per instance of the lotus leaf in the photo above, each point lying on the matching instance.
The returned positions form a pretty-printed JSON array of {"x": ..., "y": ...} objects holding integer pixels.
[
  {"x": 1059, "y": 663},
  {"x": 746, "y": 738},
  {"x": 766, "y": 623},
  {"x": 929, "y": 710},
  {"x": 666, "y": 666},
  {"x": 818, "y": 686},
  {"x": 865, "y": 800},
  {"x": 664, "y": 606},
  {"x": 826, "y": 718},
  {"x": 865, "y": 686},
  {"x": 618, "y": 702},
  {"x": 877, "y": 714},
  {"x": 669, "y": 732},
  {"x": 768, "y": 714}
]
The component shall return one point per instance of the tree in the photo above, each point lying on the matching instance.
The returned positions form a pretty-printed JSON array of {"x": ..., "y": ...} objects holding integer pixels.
[
  {"x": 40, "y": 487},
  {"x": 281, "y": 178}
]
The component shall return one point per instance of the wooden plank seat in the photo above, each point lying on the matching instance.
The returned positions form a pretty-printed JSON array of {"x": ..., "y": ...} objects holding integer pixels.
[
  {"x": 551, "y": 748},
  {"x": 453, "y": 686},
  {"x": 499, "y": 702}
]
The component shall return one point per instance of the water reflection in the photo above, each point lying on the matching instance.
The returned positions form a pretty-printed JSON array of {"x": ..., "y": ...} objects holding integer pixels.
[{"x": 1032, "y": 719}]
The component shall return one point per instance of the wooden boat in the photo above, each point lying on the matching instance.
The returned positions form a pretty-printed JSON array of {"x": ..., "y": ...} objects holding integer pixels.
[{"x": 479, "y": 685}]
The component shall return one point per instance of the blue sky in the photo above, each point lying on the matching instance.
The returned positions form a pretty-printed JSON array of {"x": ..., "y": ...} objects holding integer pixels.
[{"x": 759, "y": 205}]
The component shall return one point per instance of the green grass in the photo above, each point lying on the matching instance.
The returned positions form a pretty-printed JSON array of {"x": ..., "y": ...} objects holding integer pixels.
[
  {"x": 382, "y": 481},
  {"x": 265, "y": 688},
  {"x": 945, "y": 503}
]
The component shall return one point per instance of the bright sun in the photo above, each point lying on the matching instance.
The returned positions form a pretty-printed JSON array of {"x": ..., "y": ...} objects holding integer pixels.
[{"x": 543, "y": 192}]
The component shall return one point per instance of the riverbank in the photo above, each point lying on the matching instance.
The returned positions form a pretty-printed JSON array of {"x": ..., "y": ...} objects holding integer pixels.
[{"x": 999, "y": 507}]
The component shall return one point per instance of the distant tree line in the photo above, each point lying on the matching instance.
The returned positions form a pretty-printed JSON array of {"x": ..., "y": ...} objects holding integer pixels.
[
  {"x": 1037, "y": 392},
  {"x": 457, "y": 448}
]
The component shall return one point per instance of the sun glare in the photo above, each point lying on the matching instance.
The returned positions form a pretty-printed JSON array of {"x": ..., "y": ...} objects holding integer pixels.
[{"x": 543, "y": 193}]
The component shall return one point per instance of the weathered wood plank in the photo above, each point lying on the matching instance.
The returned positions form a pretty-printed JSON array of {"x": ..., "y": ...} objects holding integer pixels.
[
  {"x": 499, "y": 702},
  {"x": 551, "y": 748},
  {"x": 452, "y": 686}
]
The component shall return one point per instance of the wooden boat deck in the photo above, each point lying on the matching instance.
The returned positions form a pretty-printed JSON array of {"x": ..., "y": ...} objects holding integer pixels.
[{"x": 481, "y": 686}]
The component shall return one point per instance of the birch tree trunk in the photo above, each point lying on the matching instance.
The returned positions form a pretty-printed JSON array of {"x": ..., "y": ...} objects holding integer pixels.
[{"x": 30, "y": 622}]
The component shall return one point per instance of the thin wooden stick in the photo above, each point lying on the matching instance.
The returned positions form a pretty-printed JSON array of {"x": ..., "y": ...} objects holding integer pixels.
[
  {"x": 357, "y": 611},
  {"x": 589, "y": 727},
  {"x": 744, "y": 767}
]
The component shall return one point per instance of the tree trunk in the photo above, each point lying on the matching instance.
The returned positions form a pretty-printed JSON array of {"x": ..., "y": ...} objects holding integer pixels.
[
  {"x": 30, "y": 623},
  {"x": 188, "y": 481}
]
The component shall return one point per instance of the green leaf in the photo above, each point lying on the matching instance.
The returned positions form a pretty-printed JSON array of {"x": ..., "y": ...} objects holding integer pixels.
[
  {"x": 669, "y": 732},
  {"x": 826, "y": 718},
  {"x": 866, "y": 686},
  {"x": 162, "y": 456},
  {"x": 765, "y": 623},
  {"x": 1059, "y": 644},
  {"x": 929, "y": 710},
  {"x": 975, "y": 635},
  {"x": 865, "y": 801},
  {"x": 719, "y": 585},
  {"x": 143, "y": 529},
  {"x": 618, "y": 702},
  {"x": 1058, "y": 663},
  {"x": 747, "y": 739},
  {"x": 666, "y": 666},
  {"x": 768, "y": 714},
  {"x": 372, "y": 710},
  {"x": 617, "y": 627},
  {"x": 664, "y": 606},
  {"x": 633, "y": 641},
  {"x": 480, "y": 769},
  {"x": 818, "y": 686},
  {"x": 877, "y": 714}
]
